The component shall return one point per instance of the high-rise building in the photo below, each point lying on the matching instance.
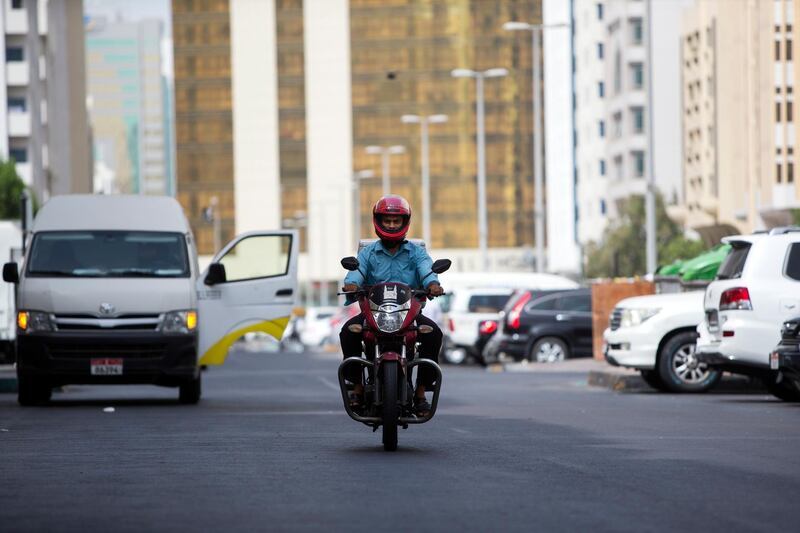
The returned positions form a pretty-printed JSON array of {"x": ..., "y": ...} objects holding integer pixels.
[
  {"x": 334, "y": 77},
  {"x": 739, "y": 129},
  {"x": 128, "y": 106},
  {"x": 43, "y": 126}
]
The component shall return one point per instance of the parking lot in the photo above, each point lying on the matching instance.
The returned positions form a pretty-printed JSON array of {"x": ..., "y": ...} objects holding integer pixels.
[{"x": 270, "y": 448}]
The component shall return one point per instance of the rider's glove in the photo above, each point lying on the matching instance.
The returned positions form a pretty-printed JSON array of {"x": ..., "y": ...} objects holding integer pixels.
[{"x": 350, "y": 287}]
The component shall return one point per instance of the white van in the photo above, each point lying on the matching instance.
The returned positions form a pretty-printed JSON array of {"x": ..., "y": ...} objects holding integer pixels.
[
  {"x": 110, "y": 292},
  {"x": 10, "y": 248}
]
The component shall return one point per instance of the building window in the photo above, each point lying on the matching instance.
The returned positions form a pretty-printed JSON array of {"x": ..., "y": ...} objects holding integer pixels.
[
  {"x": 602, "y": 167},
  {"x": 637, "y": 73},
  {"x": 599, "y": 11},
  {"x": 777, "y": 50},
  {"x": 617, "y": 124},
  {"x": 601, "y": 126},
  {"x": 778, "y": 176},
  {"x": 790, "y": 111},
  {"x": 636, "y": 31},
  {"x": 777, "y": 111},
  {"x": 601, "y": 89},
  {"x": 599, "y": 50},
  {"x": 638, "y": 164},
  {"x": 789, "y": 172},
  {"x": 788, "y": 49},
  {"x": 16, "y": 104},
  {"x": 16, "y": 4},
  {"x": 14, "y": 53},
  {"x": 19, "y": 155},
  {"x": 638, "y": 119},
  {"x": 617, "y": 72},
  {"x": 602, "y": 207}
]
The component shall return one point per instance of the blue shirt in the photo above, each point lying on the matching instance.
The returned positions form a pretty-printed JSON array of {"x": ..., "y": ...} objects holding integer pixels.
[{"x": 410, "y": 264}]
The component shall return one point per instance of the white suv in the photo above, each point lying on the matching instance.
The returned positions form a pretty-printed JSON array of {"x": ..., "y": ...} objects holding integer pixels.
[
  {"x": 757, "y": 288},
  {"x": 656, "y": 335},
  {"x": 467, "y": 310}
]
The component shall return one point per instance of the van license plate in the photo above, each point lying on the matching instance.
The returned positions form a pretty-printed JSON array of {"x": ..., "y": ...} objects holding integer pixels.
[
  {"x": 774, "y": 360},
  {"x": 106, "y": 367}
]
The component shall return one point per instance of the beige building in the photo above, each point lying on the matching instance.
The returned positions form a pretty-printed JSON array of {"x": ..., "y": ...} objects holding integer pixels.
[{"x": 739, "y": 134}]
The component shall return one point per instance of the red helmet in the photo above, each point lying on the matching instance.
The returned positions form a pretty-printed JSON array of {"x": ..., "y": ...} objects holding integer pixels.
[{"x": 391, "y": 205}]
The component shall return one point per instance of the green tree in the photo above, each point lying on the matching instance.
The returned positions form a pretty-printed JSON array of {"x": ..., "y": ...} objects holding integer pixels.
[
  {"x": 11, "y": 187},
  {"x": 622, "y": 251}
]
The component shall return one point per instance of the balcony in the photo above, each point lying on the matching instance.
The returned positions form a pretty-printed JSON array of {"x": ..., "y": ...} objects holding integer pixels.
[
  {"x": 19, "y": 124},
  {"x": 16, "y": 22},
  {"x": 25, "y": 172},
  {"x": 17, "y": 73}
]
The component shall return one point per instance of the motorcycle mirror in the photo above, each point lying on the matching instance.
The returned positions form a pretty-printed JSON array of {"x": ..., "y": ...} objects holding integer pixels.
[
  {"x": 441, "y": 265},
  {"x": 350, "y": 263}
]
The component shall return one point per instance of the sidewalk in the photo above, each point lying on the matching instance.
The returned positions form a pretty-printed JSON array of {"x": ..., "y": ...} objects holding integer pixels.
[{"x": 8, "y": 379}]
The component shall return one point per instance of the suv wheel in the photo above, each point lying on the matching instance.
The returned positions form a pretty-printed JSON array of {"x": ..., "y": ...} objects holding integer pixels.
[
  {"x": 652, "y": 378},
  {"x": 785, "y": 390},
  {"x": 679, "y": 369},
  {"x": 549, "y": 350}
]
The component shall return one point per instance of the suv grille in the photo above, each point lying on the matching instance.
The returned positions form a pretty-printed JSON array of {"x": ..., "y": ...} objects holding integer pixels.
[{"x": 616, "y": 318}]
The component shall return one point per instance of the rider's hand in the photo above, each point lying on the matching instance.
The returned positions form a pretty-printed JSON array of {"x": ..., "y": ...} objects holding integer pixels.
[
  {"x": 434, "y": 289},
  {"x": 350, "y": 287}
]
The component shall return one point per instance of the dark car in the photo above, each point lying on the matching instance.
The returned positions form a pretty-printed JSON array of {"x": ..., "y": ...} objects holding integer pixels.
[
  {"x": 785, "y": 358},
  {"x": 544, "y": 327}
]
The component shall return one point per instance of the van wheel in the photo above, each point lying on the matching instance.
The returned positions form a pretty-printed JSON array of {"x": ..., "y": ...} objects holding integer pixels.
[
  {"x": 549, "y": 350},
  {"x": 191, "y": 390},
  {"x": 679, "y": 369},
  {"x": 32, "y": 392}
]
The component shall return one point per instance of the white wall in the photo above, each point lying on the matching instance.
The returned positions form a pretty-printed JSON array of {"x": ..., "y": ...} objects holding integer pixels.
[
  {"x": 563, "y": 254},
  {"x": 329, "y": 136},
  {"x": 254, "y": 80}
]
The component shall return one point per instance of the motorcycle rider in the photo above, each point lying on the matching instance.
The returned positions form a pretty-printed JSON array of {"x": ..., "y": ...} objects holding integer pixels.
[{"x": 392, "y": 258}]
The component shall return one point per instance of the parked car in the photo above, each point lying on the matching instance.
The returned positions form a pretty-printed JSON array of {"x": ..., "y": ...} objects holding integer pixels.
[
  {"x": 785, "y": 359},
  {"x": 757, "y": 289},
  {"x": 468, "y": 309},
  {"x": 317, "y": 328},
  {"x": 656, "y": 334},
  {"x": 544, "y": 327}
]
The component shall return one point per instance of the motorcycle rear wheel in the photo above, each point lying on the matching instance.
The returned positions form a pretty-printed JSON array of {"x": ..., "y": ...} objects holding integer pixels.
[{"x": 390, "y": 411}]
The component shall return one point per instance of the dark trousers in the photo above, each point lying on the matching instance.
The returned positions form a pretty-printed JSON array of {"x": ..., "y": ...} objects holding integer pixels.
[{"x": 430, "y": 345}]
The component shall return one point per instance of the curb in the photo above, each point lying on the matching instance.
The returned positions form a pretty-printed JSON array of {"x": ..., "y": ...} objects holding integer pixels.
[{"x": 634, "y": 383}]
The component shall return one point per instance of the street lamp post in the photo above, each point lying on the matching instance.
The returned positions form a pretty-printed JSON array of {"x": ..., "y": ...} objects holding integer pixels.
[
  {"x": 538, "y": 144},
  {"x": 357, "y": 177},
  {"x": 385, "y": 152},
  {"x": 423, "y": 121},
  {"x": 479, "y": 77}
]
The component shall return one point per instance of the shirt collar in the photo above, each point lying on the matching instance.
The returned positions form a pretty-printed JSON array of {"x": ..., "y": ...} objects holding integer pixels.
[{"x": 382, "y": 248}]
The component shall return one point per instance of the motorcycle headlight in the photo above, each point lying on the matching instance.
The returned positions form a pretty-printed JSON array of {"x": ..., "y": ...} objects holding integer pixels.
[
  {"x": 390, "y": 317},
  {"x": 634, "y": 317},
  {"x": 178, "y": 322},
  {"x": 34, "y": 322}
]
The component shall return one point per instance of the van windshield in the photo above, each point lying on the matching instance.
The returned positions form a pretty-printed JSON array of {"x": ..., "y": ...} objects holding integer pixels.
[{"x": 108, "y": 254}]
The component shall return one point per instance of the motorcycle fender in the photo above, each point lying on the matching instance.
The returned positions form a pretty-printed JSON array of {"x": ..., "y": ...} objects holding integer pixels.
[{"x": 390, "y": 356}]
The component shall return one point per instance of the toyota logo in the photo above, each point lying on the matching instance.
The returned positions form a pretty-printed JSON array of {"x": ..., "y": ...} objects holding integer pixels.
[{"x": 106, "y": 309}]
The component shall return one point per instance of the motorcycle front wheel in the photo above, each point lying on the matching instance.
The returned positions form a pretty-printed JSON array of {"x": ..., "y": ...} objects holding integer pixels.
[{"x": 390, "y": 411}]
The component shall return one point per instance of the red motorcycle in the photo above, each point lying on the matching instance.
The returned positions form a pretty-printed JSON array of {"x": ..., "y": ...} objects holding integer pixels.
[{"x": 389, "y": 335}]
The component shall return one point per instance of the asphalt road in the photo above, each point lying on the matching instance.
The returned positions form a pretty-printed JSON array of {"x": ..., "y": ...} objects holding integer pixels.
[{"x": 269, "y": 448}]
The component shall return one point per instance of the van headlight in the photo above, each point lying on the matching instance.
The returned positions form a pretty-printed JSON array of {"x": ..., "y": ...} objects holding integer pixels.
[
  {"x": 634, "y": 317},
  {"x": 34, "y": 322},
  {"x": 178, "y": 322}
]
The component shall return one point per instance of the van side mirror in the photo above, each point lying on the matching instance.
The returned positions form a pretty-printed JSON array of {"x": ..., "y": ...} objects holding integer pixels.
[
  {"x": 216, "y": 274},
  {"x": 441, "y": 265},
  {"x": 11, "y": 273},
  {"x": 350, "y": 263}
]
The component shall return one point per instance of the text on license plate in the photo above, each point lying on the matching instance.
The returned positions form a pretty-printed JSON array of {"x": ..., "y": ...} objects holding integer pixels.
[{"x": 106, "y": 367}]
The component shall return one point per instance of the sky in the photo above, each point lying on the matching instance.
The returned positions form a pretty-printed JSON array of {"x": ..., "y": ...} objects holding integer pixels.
[{"x": 138, "y": 10}]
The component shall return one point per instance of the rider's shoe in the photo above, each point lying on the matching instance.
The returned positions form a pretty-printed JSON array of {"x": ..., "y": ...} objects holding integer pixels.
[{"x": 421, "y": 407}]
